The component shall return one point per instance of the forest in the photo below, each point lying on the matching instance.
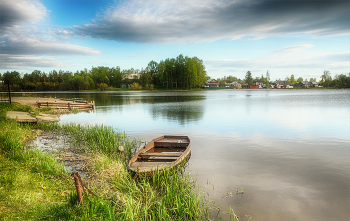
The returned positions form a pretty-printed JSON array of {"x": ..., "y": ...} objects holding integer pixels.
[{"x": 175, "y": 73}]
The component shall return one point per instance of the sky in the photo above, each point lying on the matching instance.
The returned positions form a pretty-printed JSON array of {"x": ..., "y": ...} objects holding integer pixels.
[{"x": 283, "y": 37}]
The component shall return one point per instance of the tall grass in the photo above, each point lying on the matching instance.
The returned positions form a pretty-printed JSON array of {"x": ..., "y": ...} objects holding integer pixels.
[
  {"x": 166, "y": 195},
  {"x": 28, "y": 178},
  {"x": 97, "y": 138},
  {"x": 35, "y": 186}
]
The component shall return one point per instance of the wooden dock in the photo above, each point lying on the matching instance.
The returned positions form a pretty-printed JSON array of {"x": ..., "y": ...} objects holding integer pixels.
[{"x": 67, "y": 104}]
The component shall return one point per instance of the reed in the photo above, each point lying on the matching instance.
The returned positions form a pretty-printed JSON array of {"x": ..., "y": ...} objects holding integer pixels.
[
  {"x": 28, "y": 178},
  {"x": 34, "y": 185}
]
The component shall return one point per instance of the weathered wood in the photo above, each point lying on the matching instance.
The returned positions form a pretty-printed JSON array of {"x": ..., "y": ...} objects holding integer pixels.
[
  {"x": 65, "y": 105},
  {"x": 168, "y": 154},
  {"x": 148, "y": 166},
  {"x": 170, "y": 144},
  {"x": 74, "y": 100},
  {"x": 163, "y": 154},
  {"x": 77, "y": 186}
]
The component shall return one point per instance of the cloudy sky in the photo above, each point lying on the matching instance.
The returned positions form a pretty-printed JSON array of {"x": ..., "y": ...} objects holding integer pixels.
[{"x": 300, "y": 37}]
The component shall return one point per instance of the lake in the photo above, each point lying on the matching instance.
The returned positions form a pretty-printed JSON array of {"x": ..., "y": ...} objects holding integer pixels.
[{"x": 288, "y": 150}]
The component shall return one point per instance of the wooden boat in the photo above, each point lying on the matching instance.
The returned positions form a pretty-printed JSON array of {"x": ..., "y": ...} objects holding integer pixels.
[{"x": 163, "y": 152}]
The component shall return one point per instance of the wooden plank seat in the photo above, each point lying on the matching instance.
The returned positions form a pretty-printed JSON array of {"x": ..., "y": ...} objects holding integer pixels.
[
  {"x": 163, "y": 154},
  {"x": 146, "y": 166},
  {"x": 171, "y": 144}
]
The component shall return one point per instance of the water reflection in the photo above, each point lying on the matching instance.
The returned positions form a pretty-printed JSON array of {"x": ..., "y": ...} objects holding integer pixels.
[
  {"x": 182, "y": 109},
  {"x": 288, "y": 149}
]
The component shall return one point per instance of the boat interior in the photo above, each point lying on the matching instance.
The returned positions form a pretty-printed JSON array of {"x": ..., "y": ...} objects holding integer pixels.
[
  {"x": 164, "y": 152},
  {"x": 161, "y": 154}
]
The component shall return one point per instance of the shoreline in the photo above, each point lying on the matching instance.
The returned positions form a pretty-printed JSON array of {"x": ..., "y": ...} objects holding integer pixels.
[
  {"x": 31, "y": 93},
  {"x": 36, "y": 184}
]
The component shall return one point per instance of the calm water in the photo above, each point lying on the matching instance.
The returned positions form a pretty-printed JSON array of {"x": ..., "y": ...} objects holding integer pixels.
[{"x": 288, "y": 150}]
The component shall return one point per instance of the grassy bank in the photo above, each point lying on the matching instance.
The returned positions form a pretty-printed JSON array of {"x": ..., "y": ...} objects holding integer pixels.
[{"x": 35, "y": 186}]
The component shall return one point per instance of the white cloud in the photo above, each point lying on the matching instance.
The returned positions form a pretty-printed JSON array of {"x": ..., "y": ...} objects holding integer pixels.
[
  {"x": 25, "y": 43},
  {"x": 36, "y": 45},
  {"x": 210, "y": 20},
  {"x": 19, "y": 62},
  {"x": 19, "y": 12}
]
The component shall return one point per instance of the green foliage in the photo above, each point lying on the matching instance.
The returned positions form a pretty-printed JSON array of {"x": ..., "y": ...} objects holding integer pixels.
[
  {"x": 292, "y": 79},
  {"x": 30, "y": 181},
  {"x": 180, "y": 73},
  {"x": 326, "y": 79},
  {"x": 102, "y": 86},
  {"x": 300, "y": 79},
  {"x": 46, "y": 109},
  {"x": 135, "y": 86},
  {"x": 249, "y": 78},
  {"x": 34, "y": 186},
  {"x": 267, "y": 79},
  {"x": 149, "y": 87}
]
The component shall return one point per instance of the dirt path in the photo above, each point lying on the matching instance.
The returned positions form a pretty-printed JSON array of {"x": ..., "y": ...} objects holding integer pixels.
[{"x": 31, "y": 101}]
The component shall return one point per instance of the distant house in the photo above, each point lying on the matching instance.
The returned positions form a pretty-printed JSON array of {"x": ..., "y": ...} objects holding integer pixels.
[
  {"x": 236, "y": 85},
  {"x": 304, "y": 84},
  {"x": 135, "y": 75},
  {"x": 245, "y": 86},
  {"x": 253, "y": 87},
  {"x": 228, "y": 83},
  {"x": 313, "y": 84},
  {"x": 258, "y": 82},
  {"x": 281, "y": 84},
  {"x": 212, "y": 83}
]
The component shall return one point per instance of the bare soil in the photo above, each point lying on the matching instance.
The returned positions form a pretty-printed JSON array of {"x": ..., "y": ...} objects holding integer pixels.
[{"x": 32, "y": 101}]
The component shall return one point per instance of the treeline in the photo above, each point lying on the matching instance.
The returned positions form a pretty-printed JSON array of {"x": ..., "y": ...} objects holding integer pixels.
[
  {"x": 175, "y": 73},
  {"x": 326, "y": 80}
]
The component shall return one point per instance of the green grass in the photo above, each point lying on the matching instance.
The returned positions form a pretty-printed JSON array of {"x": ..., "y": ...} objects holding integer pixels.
[
  {"x": 30, "y": 181},
  {"x": 34, "y": 186}
]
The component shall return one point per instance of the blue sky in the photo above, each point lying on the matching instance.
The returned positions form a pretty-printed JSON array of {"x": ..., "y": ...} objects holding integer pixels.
[{"x": 232, "y": 37}]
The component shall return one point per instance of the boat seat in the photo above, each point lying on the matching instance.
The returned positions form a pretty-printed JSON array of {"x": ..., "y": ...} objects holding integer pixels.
[
  {"x": 170, "y": 144},
  {"x": 146, "y": 166},
  {"x": 163, "y": 154}
]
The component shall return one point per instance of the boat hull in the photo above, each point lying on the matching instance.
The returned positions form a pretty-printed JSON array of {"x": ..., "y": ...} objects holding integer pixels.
[{"x": 164, "y": 152}]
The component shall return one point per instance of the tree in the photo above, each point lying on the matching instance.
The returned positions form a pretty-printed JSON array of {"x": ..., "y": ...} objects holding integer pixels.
[
  {"x": 232, "y": 78},
  {"x": 249, "y": 78},
  {"x": 292, "y": 79},
  {"x": 13, "y": 77},
  {"x": 78, "y": 82},
  {"x": 267, "y": 79},
  {"x": 312, "y": 79},
  {"x": 115, "y": 77},
  {"x": 326, "y": 78},
  {"x": 341, "y": 81},
  {"x": 300, "y": 79}
]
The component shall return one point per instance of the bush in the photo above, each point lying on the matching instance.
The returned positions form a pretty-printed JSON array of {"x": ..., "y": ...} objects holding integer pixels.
[
  {"x": 150, "y": 87},
  {"x": 135, "y": 86},
  {"x": 102, "y": 86}
]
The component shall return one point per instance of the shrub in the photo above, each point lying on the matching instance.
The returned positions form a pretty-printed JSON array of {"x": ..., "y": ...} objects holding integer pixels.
[
  {"x": 102, "y": 86},
  {"x": 135, "y": 86}
]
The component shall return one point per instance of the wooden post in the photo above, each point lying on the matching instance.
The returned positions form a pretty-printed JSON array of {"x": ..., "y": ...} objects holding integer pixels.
[
  {"x": 8, "y": 86},
  {"x": 77, "y": 186}
]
